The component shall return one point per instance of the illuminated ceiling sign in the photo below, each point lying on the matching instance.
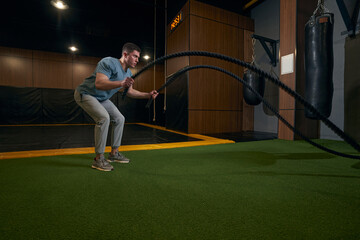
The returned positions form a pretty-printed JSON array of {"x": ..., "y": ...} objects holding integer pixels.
[{"x": 176, "y": 21}]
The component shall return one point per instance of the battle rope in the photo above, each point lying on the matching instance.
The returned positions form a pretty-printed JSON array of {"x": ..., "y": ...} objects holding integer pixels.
[
  {"x": 266, "y": 103},
  {"x": 298, "y": 97}
]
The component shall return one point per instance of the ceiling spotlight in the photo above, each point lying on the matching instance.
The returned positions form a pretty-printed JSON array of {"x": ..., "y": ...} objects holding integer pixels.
[
  {"x": 73, "y": 48},
  {"x": 59, "y": 4},
  {"x": 146, "y": 57}
]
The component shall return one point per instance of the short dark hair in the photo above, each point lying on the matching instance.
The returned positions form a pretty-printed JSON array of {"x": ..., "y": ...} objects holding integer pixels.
[{"x": 130, "y": 47}]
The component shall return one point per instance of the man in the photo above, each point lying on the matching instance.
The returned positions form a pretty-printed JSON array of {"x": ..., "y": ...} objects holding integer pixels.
[{"x": 110, "y": 75}]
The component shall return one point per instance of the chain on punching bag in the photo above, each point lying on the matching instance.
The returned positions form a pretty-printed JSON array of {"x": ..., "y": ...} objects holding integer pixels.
[
  {"x": 256, "y": 81},
  {"x": 319, "y": 61}
]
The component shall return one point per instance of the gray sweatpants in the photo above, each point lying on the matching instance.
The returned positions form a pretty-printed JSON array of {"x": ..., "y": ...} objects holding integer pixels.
[{"x": 103, "y": 113}]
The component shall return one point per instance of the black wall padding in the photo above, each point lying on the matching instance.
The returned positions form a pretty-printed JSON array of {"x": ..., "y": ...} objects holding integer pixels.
[
  {"x": 177, "y": 104},
  {"x": 20, "y": 105},
  {"x": 51, "y": 106},
  {"x": 159, "y": 111},
  {"x": 59, "y": 106},
  {"x": 133, "y": 109}
]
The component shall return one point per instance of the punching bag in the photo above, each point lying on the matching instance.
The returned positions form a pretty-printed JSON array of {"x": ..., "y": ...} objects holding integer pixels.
[
  {"x": 256, "y": 82},
  {"x": 319, "y": 64}
]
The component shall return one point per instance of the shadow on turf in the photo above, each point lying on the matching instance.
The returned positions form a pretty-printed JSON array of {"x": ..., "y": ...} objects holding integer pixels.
[
  {"x": 270, "y": 173},
  {"x": 356, "y": 165},
  {"x": 63, "y": 163},
  {"x": 304, "y": 156},
  {"x": 253, "y": 157}
]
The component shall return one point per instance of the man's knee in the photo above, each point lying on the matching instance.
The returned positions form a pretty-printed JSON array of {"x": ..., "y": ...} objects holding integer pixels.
[
  {"x": 120, "y": 119},
  {"x": 103, "y": 120}
]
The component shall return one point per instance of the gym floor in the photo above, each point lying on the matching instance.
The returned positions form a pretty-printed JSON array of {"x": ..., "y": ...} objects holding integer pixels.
[
  {"x": 272, "y": 189},
  {"x": 56, "y": 139}
]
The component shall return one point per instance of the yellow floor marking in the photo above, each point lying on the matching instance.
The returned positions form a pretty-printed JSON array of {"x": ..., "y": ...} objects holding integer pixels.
[
  {"x": 203, "y": 140},
  {"x": 48, "y": 125}
]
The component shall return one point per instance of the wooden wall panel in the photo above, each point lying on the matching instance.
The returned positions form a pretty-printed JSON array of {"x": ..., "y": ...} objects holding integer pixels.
[
  {"x": 215, "y": 99},
  {"x": 15, "y": 67},
  {"x": 16, "y": 52},
  {"x": 52, "y": 74},
  {"x": 209, "y": 89},
  {"x": 287, "y": 46},
  {"x": 283, "y": 130},
  {"x": 52, "y": 70},
  {"x": 80, "y": 72},
  {"x": 185, "y": 11},
  {"x": 352, "y": 87},
  {"x": 286, "y": 101},
  {"x": 85, "y": 60},
  {"x": 308, "y": 127},
  {"x": 293, "y": 16},
  {"x": 30, "y": 68},
  {"x": 246, "y": 23},
  {"x": 216, "y": 14},
  {"x": 145, "y": 81},
  {"x": 178, "y": 41},
  {"x": 83, "y": 67},
  {"x": 51, "y": 56},
  {"x": 215, "y": 121},
  {"x": 16, "y": 71}
]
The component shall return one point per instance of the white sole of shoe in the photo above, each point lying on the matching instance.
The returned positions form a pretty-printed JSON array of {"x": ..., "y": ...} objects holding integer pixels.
[
  {"x": 101, "y": 169},
  {"x": 118, "y": 161}
]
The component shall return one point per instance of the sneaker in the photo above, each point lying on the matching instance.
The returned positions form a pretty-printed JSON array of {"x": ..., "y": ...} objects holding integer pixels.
[
  {"x": 118, "y": 157},
  {"x": 102, "y": 165}
]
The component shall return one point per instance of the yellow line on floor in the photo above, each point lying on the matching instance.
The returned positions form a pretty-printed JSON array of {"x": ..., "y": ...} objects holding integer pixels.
[
  {"x": 198, "y": 136},
  {"x": 49, "y": 125},
  {"x": 88, "y": 150},
  {"x": 203, "y": 140},
  {"x": 52, "y": 124}
]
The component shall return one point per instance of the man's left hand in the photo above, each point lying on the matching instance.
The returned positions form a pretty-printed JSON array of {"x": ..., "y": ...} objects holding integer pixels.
[{"x": 154, "y": 94}]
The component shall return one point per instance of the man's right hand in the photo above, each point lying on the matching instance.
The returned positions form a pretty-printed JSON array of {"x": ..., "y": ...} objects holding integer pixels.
[{"x": 128, "y": 82}]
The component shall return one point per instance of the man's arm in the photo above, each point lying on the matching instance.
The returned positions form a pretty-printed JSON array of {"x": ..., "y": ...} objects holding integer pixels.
[
  {"x": 133, "y": 93},
  {"x": 102, "y": 82}
]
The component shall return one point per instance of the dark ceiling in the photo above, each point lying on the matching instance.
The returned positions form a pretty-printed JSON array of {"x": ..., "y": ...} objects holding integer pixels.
[{"x": 98, "y": 28}]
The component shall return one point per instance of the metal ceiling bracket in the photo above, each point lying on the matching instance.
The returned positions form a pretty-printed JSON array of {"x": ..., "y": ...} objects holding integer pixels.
[
  {"x": 271, "y": 53},
  {"x": 350, "y": 22}
]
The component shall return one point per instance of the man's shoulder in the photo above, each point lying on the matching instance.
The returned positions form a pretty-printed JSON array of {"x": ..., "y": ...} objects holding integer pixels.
[
  {"x": 109, "y": 59},
  {"x": 109, "y": 63}
]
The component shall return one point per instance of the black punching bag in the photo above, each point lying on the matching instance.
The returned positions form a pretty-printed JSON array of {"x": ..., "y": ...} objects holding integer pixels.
[
  {"x": 319, "y": 64},
  {"x": 256, "y": 82}
]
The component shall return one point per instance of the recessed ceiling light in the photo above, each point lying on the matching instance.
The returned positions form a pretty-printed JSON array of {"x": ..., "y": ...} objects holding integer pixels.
[
  {"x": 146, "y": 57},
  {"x": 73, "y": 48},
  {"x": 59, "y": 4}
]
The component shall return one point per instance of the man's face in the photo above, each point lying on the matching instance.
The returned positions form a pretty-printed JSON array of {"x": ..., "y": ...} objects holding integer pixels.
[{"x": 132, "y": 58}]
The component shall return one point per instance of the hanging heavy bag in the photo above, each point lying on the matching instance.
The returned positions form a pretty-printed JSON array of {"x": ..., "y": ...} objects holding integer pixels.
[
  {"x": 319, "y": 64},
  {"x": 257, "y": 83}
]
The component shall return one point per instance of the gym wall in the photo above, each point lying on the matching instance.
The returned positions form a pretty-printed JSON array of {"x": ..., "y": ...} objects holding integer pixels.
[
  {"x": 352, "y": 87},
  {"x": 37, "y": 87},
  {"x": 31, "y": 68},
  {"x": 215, "y": 101}
]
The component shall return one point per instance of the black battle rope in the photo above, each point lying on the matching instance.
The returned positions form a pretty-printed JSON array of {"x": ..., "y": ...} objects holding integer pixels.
[
  {"x": 298, "y": 97},
  {"x": 266, "y": 103}
]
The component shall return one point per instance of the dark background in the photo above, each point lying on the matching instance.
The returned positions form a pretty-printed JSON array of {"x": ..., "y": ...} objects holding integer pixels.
[{"x": 97, "y": 28}]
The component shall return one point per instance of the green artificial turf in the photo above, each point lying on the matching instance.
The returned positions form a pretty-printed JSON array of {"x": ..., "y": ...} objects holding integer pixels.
[{"x": 255, "y": 190}]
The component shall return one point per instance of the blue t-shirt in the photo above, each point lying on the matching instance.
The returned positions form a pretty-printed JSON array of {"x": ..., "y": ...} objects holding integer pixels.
[{"x": 112, "y": 68}]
